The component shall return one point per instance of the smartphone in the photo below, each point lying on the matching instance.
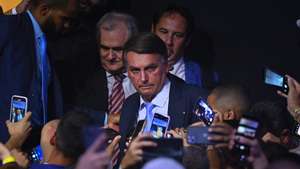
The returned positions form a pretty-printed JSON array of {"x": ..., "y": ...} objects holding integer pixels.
[
  {"x": 138, "y": 128},
  {"x": 204, "y": 112},
  {"x": 90, "y": 134},
  {"x": 36, "y": 155},
  {"x": 275, "y": 79},
  {"x": 197, "y": 135},
  {"x": 18, "y": 108},
  {"x": 247, "y": 128},
  {"x": 159, "y": 125},
  {"x": 297, "y": 130}
]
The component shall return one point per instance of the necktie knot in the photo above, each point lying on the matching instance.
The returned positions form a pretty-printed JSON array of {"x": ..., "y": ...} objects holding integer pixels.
[
  {"x": 149, "y": 107},
  {"x": 119, "y": 77}
]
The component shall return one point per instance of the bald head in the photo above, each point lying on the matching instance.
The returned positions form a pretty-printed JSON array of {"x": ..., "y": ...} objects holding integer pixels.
[{"x": 229, "y": 98}]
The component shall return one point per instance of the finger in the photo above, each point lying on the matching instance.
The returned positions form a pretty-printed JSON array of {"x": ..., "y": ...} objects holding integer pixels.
[
  {"x": 222, "y": 145},
  {"x": 282, "y": 94},
  {"x": 146, "y": 144},
  {"x": 244, "y": 140},
  {"x": 219, "y": 129},
  {"x": 218, "y": 138},
  {"x": 97, "y": 143},
  {"x": 27, "y": 117},
  {"x": 8, "y": 123},
  {"x": 116, "y": 140}
]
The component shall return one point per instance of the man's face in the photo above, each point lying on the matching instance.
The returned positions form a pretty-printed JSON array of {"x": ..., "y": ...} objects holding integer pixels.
[
  {"x": 147, "y": 73},
  {"x": 171, "y": 28},
  {"x": 58, "y": 21},
  {"x": 111, "y": 49}
]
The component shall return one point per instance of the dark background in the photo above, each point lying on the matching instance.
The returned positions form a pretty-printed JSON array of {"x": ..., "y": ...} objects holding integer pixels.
[{"x": 238, "y": 38}]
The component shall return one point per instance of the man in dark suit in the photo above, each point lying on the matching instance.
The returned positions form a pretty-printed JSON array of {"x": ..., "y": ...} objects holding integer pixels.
[
  {"x": 25, "y": 65},
  {"x": 113, "y": 31},
  {"x": 147, "y": 66},
  {"x": 174, "y": 25}
]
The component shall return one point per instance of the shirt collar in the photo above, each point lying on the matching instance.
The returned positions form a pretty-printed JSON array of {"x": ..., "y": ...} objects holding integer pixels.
[
  {"x": 38, "y": 33},
  {"x": 109, "y": 75},
  {"x": 161, "y": 98}
]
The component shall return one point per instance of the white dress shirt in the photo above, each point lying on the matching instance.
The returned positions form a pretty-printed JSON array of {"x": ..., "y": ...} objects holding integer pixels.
[
  {"x": 161, "y": 102},
  {"x": 179, "y": 69},
  {"x": 127, "y": 85}
]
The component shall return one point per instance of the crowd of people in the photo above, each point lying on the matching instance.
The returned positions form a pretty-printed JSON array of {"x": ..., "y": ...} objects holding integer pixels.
[{"x": 139, "y": 78}]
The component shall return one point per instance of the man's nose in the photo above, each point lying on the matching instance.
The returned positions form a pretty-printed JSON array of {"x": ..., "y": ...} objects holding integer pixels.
[
  {"x": 144, "y": 77},
  {"x": 169, "y": 40}
]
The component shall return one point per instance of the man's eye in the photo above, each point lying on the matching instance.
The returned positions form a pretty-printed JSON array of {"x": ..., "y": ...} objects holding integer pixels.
[
  {"x": 179, "y": 35},
  {"x": 163, "y": 31}
]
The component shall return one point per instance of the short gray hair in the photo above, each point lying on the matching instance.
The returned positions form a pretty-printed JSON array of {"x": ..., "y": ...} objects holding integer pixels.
[{"x": 113, "y": 19}]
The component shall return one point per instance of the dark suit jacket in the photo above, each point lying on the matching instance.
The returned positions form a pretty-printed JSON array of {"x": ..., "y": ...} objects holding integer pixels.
[
  {"x": 182, "y": 99},
  {"x": 19, "y": 72},
  {"x": 95, "y": 93}
]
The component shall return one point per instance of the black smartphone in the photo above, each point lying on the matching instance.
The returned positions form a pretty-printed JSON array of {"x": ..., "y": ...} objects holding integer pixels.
[
  {"x": 204, "y": 112},
  {"x": 277, "y": 80},
  {"x": 197, "y": 135},
  {"x": 18, "y": 108},
  {"x": 36, "y": 155},
  {"x": 247, "y": 128},
  {"x": 159, "y": 125},
  {"x": 166, "y": 147},
  {"x": 138, "y": 128},
  {"x": 90, "y": 134},
  {"x": 297, "y": 130}
]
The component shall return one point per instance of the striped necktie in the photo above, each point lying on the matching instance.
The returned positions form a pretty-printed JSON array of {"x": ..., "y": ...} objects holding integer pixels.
[{"x": 117, "y": 96}]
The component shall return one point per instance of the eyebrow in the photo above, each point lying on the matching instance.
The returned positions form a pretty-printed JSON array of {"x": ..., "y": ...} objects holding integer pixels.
[{"x": 114, "y": 48}]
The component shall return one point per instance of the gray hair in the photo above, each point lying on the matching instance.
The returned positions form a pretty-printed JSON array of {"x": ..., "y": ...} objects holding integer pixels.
[{"x": 113, "y": 19}]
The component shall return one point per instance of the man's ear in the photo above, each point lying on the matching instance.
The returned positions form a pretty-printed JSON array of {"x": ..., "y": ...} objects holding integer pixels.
[
  {"x": 53, "y": 140},
  {"x": 44, "y": 10},
  {"x": 229, "y": 115}
]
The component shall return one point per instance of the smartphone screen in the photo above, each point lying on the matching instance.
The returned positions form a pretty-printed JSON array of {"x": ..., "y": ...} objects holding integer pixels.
[
  {"x": 275, "y": 79},
  {"x": 18, "y": 108},
  {"x": 204, "y": 112},
  {"x": 159, "y": 125}
]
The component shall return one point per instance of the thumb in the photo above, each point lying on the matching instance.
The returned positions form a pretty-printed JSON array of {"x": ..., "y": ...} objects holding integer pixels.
[
  {"x": 27, "y": 116},
  {"x": 7, "y": 122}
]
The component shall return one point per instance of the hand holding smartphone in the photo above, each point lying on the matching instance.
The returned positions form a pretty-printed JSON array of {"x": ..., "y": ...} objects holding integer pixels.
[
  {"x": 277, "y": 80},
  {"x": 18, "y": 108}
]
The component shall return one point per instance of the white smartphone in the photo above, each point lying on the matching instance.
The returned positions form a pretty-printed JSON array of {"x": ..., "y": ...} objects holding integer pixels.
[
  {"x": 18, "y": 108},
  {"x": 159, "y": 125}
]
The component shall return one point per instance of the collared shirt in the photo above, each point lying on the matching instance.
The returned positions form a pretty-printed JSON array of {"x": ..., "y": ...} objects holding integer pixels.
[
  {"x": 179, "y": 69},
  {"x": 127, "y": 85},
  {"x": 161, "y": 102}
]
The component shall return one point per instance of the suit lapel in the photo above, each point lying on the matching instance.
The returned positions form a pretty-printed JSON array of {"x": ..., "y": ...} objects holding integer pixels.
[{"x": 176, "y": 105}]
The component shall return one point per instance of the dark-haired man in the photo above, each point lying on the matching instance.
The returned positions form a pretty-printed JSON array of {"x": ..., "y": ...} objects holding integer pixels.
[
  {"x": 147, "y": 66},
  {"x": 174, "y": 25},
  {"x": 25, "y": 65}
]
